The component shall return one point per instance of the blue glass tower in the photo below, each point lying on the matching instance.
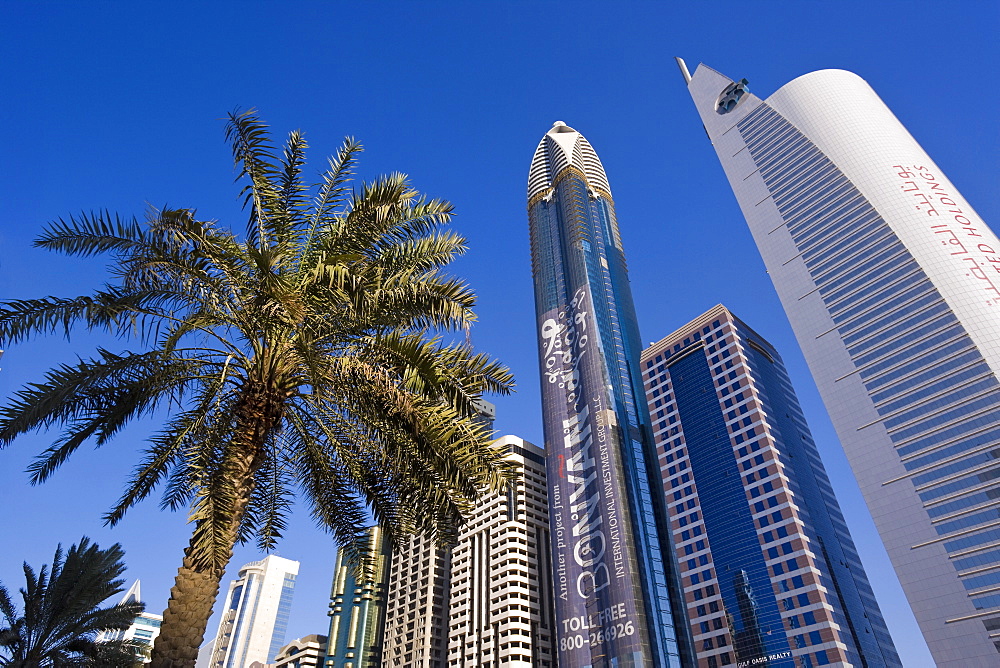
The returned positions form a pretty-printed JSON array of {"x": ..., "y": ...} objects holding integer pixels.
[
  {"x": 616, "y": 593},
  {"x": 768, "y": 565}
]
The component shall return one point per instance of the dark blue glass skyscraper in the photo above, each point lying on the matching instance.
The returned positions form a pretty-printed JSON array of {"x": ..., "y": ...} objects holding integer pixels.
[
  {"x": 768, "y": 565},
  {"x": 617, "y": 597}
]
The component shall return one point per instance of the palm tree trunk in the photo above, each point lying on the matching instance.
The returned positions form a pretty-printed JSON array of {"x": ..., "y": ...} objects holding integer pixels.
[
  {"x": 196, "y": 586},
  {"x": 193, "y": 595},
  {"x": 190, "y": 605}
]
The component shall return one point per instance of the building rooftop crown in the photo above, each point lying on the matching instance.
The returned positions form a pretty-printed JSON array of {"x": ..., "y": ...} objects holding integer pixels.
[{"x": 563, "y": 147}]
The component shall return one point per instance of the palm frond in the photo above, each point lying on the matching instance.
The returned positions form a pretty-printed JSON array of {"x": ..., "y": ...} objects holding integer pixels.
[
  {"x": 106, "y": 309},
  {"x": 61, "y": 609},
  {"x": 91, "y": 234},
  {"x": 271, "y": 502},
  {"x": 415, "y": 256},
  {"x": 331, "y": 192},
  {"x": 332, "y": 496},
  {"x": 176, "y": 447},
  {"x": 292, "y": 198},
  {"x": 98, "y": 395},
  {"x": 253, "y": 154}
]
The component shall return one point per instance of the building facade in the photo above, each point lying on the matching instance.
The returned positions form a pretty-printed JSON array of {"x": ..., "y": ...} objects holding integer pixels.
[
  {"x": 305, "y": 652},
  {"x": 144, "y": 628},
  {"x": 770, "y": 572},
  {"x": 617, "y": 597},
  {"x": 501, "y": 611},
  {"x": 255, "y": 614},
  {"x": 416, "y": 623},
  {"x": 417, "y": 610},
  {"x": 892, "y": 285},
  {"x": 357, "y": 607}
]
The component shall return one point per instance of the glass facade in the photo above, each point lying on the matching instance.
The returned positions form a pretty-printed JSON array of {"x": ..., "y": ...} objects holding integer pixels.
[
  {"x": 358, "y": 607},
  {"x": 935, "y": 407},
  {"x": 244, "y": 609},
  {"x": 255, "y": 614},
  {"x": 616, "y": 593},
  {"x": 890, "y": 281},
  {"x": 281, "y": 618},
  {"x": 770, "y": 572}
]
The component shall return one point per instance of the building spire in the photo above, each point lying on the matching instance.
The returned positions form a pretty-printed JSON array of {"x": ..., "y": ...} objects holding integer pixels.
[
  {"x": 684, "y": 69},
  {"x": 133, "y": 594}
]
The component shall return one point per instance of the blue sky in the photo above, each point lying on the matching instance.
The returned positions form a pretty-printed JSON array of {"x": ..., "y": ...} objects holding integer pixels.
[{"x": 116, "y": 105}]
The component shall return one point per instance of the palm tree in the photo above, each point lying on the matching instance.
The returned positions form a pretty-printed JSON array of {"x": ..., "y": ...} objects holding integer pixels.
[
  {"x": 307, "y": 353},
  {"x": 62, "y": 617}
]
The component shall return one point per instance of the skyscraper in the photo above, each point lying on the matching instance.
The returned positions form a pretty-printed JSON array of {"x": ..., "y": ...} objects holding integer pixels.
[
  {"x": 417, "y": 614},
  {"x": 255, "y": 614},
  {"x": 357, "y": 607},
  {"x": 501, "y": 577},
  {"x": 416, "y": 623},
  {"x": 143, "y": 630},
  {"x": 892, "y": 285},
  {"x": 616, "y": 591},
  {"x": 770, "y": 572}
]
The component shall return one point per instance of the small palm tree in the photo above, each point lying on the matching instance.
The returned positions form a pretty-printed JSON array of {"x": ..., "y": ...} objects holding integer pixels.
[
  {"x": 305, "y": 354},
  {"x": 62, "y": 615}
]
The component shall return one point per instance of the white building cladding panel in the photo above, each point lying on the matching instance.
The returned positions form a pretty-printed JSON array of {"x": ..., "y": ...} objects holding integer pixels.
[
  {"x": 841, "y": 114},
  {"x": 887, "y": 276}
]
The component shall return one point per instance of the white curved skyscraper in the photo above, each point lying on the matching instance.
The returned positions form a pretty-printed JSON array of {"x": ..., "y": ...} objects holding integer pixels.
[
  {"x": 892, "y": 285},
  {"x": 255, "y": 616}
]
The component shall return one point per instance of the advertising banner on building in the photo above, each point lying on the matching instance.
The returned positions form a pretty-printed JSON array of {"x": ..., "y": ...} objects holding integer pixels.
[{"x": 600, "y": 619}]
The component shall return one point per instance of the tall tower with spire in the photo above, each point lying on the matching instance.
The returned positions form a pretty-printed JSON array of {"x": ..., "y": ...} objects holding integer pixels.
[
  {"x": 891, "y": 282},
  {"x": 616, "y": 593}
]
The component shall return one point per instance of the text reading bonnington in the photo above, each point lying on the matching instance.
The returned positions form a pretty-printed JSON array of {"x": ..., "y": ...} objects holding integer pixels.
[{"x": 598, "y": 614}]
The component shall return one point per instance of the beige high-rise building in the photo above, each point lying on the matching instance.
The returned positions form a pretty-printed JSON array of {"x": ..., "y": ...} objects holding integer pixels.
[
  {"x": 306, "y": 652},
  {"x": 488, "y": 600},
  {"x": 501, "y": 591},
  {"x": 416, "y": 630}
]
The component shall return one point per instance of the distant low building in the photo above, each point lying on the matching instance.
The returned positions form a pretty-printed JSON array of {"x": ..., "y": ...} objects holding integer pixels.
[
  {"x": 307, "y": 652},
  {"x": 143, "y": 630}
]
